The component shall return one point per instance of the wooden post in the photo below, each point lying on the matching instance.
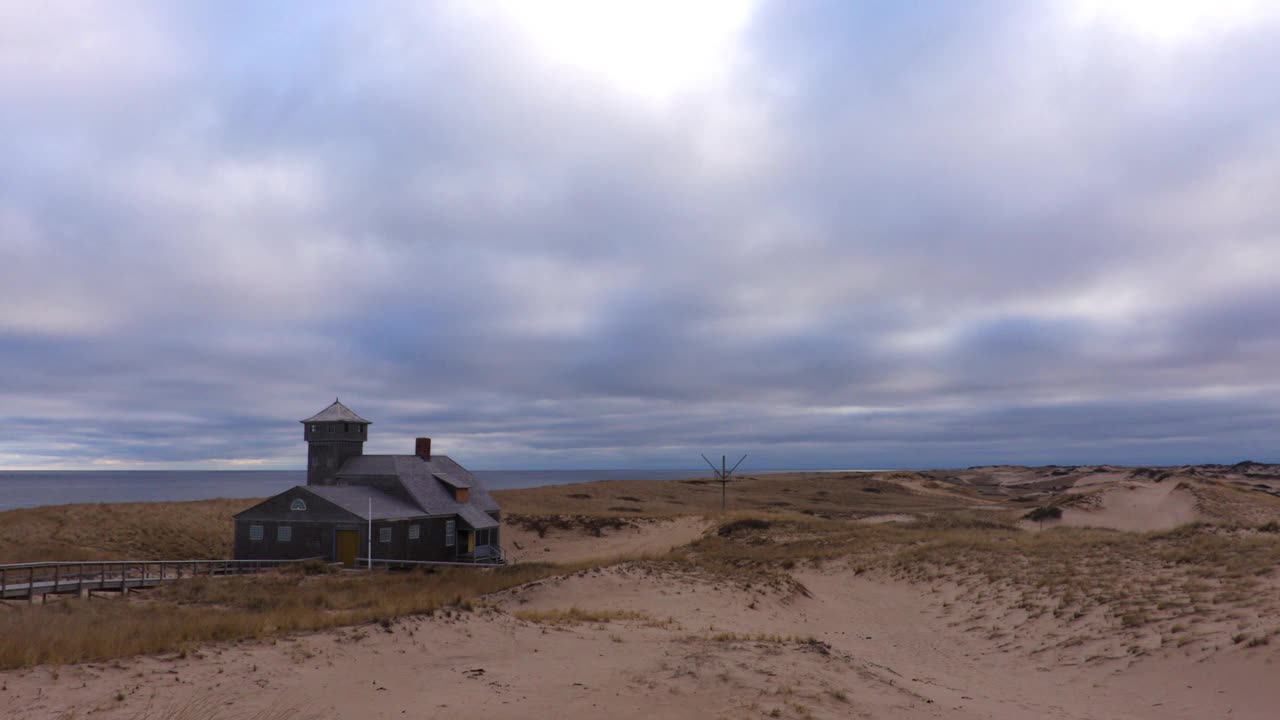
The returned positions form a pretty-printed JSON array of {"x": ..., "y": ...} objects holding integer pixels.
[
  {"x": 31, "y": 582},
  {"x": 57, "y": 575}
]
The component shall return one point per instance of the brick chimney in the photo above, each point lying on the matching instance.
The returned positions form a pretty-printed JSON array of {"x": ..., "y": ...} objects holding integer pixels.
[{"x": 423, "y": 448}]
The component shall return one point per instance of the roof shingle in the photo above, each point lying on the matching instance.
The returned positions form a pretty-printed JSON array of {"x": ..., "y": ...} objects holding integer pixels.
[
  {"x": 337, "y": 412},
  {"x": 360, "y": 500}
]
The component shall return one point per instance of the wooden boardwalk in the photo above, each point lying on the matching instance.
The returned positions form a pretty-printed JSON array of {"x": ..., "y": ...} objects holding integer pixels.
[{"x": 28, "y": 581}]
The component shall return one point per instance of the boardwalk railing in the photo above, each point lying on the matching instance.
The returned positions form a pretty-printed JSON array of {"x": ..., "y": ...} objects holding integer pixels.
[
  {"x": 495, "y": 561},
  {"x": 30, "y": 580},
  {"x": 495, "y": 556}
]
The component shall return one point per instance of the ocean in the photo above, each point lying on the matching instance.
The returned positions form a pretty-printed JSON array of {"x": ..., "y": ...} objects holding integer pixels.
[{"x": 32, "y": 488}]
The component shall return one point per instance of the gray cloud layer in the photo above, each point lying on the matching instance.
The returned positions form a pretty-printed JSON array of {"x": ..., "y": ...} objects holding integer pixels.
[{"x": 882, "y": 237}]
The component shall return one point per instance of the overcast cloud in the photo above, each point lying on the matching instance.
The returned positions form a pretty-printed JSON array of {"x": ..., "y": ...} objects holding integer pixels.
[{"x": 825, "y": 233}]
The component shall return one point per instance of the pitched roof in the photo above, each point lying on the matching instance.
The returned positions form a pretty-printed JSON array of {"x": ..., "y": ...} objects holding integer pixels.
[
  {"x": 356, "y": 499},
  {"x": 337, "y": 412},
  {"x": 427, "y": 482},
  {"x": 419, "y": 477},
  {"x": 367, "y": 465},
  {"x": 476, "y": 519},
  {"x": 451, "y": 480}
]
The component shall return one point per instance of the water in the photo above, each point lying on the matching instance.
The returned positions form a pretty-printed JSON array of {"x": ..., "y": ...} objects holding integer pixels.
[{"x": 55, "y": 487}]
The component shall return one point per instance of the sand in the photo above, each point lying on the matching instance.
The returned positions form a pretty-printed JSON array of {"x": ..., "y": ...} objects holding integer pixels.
[
  {"x": 1129, "y": 506},
  {"x": 884, "y": 650},
  {"x": 567, "y": 546}
]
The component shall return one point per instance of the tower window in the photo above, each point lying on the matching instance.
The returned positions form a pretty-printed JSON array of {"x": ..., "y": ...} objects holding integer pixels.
[
  {"x": 346, "y": 427},
  {"x": 313, "y": 427}
]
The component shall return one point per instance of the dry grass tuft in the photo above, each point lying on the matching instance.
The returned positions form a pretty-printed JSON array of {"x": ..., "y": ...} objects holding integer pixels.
[{"x": 578, "y": 616}]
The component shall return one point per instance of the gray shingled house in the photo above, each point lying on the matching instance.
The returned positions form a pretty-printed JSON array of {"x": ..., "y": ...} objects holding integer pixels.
[{"x": 423, "y": 506}]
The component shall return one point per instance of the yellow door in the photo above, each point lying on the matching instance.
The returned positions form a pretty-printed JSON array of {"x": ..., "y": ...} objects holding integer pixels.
[
  {"x": 348, "y": 544},
  {"x": 471, "y": 542}
]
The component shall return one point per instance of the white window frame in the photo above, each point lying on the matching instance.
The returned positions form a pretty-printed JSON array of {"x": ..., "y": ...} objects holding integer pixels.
[
  {"x": 450, "y": 533},
  {"x": 415, "y": 532},
  {"x": 298, "y": 505},
  {"x": 284, "y": 533},
  {"x": 384, "y": 534},
  {"x": 255, "y": 533}
]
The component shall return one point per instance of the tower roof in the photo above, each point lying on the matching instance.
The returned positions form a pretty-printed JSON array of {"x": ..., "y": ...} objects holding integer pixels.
[{"x": 337, "y": 412}]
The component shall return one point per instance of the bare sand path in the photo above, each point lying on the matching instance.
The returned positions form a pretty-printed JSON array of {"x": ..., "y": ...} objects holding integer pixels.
[{"x": 569, "y": 546}]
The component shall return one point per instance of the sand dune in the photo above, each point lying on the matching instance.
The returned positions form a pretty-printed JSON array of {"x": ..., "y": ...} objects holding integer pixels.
[
  {"x": 1134, "y": 507},
  {"x": 700, "y": 648}
]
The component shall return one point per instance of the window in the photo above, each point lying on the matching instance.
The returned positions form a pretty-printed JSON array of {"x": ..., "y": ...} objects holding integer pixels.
[
  {"x": 284, "y": 533},
  {"x": 384, "y": 534},
  {"x": 415, "y": 532},
  {"x": 255, "y": 533},
  {"x": 298, "y": 504},
  {"x": 450, "y": 533},
  {"x": 346, "y": 427},
  {"x": 313, "y": 427}
]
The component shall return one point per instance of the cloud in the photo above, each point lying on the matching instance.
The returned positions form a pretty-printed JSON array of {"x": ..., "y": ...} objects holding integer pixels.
[{"x": 870, "y": 235}]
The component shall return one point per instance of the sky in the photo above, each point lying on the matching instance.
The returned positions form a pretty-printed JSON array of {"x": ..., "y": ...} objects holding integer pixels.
[{"x": 573, "y": 234}]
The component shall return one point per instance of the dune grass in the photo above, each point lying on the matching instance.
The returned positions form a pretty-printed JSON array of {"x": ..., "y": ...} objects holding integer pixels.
[
  {"x": 185, "y": 614},
  {"x": 195, "y": 530},
  {"x": 828, "y": 494},
  {"x": 577, "y": 616}
]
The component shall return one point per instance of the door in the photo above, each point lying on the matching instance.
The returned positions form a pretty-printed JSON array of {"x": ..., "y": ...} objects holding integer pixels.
[{"x": 347, "y": 544}]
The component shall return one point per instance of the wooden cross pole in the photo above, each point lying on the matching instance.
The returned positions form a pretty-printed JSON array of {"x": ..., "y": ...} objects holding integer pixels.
[{"x": 723, "y": 475}]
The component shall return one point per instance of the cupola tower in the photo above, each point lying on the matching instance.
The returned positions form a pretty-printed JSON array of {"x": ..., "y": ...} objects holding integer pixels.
[{"x": 333, "y": 435}]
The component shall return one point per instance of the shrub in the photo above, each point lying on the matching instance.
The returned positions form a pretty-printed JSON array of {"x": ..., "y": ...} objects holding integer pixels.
[
  {"x": 1044, "y": 512},
  {"x": 743, "y": 525}
]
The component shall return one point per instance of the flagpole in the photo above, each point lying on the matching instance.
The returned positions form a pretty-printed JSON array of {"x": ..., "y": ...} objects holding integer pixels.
[{"x": 370, "y": 545}]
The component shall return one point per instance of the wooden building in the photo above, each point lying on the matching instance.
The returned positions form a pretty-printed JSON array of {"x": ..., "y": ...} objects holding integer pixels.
[{"x": 422, "y": 506}]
